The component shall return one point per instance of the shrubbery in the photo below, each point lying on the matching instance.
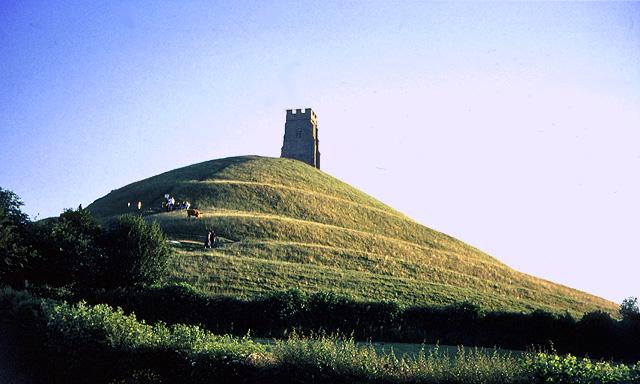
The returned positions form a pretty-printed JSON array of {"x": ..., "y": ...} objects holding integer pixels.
[
  {"x": 280, "y": 313},
  {"x": 96, "y": 344},
  {"x": 138, "y": 252},
  {"x": 629, "y": 309},
  {"x": 70, "y": 249},
  {"x": 551, "y": 368},
  {"x": 74, "y": 250},
  {"x": 22, "y": 333},
  {"x": 16, "y": 257}
]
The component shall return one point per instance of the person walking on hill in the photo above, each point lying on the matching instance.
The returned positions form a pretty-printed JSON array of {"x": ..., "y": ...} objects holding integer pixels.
[
  {"x": 207, "y": 240},
  {"x": 210, "y": 241},
  {"x": 213, "y": 239}
]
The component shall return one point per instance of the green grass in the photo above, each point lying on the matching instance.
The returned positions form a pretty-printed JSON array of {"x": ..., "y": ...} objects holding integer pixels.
[
  {"x": 343, "y": 358},
  {"x": 243, "y": 276},
  {"x": 286, "y": 225}
]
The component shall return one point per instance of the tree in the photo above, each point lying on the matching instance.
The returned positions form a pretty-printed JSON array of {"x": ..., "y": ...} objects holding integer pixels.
[
  {"x": 12, "y": 256},
  {"x": 16, "y": 256},
  {"x": 138, "y": 252},
  {"x": 73, "y": 249},
  {"x": 629, "y": 308},
  {"x": 70, "y": 246},
  {"x": 10, "y": 203}
]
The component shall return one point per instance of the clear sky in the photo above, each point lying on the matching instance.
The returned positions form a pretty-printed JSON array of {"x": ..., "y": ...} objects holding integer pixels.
[{"x": 514, "y": 127}]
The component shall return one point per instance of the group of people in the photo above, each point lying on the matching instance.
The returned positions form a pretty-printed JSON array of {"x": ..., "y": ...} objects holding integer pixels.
[
  {"x": 139, "y": 205},
  {"x": 171, "y": 204}
]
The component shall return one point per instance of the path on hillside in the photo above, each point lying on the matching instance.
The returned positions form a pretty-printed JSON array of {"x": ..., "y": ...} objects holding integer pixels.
[
  {"x": 434, "y": 244},
  {"x": 389, "y": 211},
  {"x": 508, "y": 284}
]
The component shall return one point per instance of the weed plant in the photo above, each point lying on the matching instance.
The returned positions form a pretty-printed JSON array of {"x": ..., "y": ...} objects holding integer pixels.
[
  {"x": 327, "y": 357},
  {"x": 552, "y": 368}
]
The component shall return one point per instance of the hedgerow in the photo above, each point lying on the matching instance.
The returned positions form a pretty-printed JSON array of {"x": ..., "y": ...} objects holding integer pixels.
[
  {"x": 84, "y": 343},
  {"x": 275, "y": 315}
]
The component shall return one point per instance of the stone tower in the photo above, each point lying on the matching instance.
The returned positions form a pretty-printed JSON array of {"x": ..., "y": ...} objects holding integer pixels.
[{"x": 301, "y": 137}]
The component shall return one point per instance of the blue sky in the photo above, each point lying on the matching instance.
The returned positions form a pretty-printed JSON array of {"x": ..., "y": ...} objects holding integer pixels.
[{"x": 512, "y": 126}]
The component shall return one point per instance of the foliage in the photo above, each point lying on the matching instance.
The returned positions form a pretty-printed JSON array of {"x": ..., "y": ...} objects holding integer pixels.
[
  {"x": 74, "y": 250},
  {"x": 337, "y": 359},
  {"x": 73, "y": 325},
  {"x": 10, "y": 203},
  {"x": 629, "y": 308},
  {"x": 138, "y": 252},
  {"x": 13, "y": 257},
  {"x": 71, "y": 250},
  {"x": 84, "y": 343},
  {"x": 94, "y": 344},
  {"x": 16, "y": 257},
  {"x": 280, "y": 313},
  {"x": 22, "y": 327},
  {"x": 551, "y": 368}
]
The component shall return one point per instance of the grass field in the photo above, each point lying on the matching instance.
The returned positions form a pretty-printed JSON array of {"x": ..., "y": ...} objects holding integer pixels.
[{"x": 285, "y": 224}]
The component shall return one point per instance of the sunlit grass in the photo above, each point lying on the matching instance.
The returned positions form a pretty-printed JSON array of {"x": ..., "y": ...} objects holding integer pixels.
[
  {"x": 285, "y": 224},
  {"x": 244, "y": 276}
]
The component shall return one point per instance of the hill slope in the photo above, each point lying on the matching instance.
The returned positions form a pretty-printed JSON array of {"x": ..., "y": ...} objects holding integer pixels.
[{"x": 286, "y": 224}]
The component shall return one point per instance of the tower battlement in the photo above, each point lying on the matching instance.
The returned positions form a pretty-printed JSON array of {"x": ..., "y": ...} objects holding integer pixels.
[
  {"x": 301, "y": 137},
  {"x": 300, "y": 114}
]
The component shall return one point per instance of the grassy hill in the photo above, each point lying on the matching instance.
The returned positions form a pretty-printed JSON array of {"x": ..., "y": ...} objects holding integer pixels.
[{"x": 285, "y": 224}]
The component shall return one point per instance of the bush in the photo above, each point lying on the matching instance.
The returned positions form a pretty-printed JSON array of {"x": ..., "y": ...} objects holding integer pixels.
[
  {"x": 13, "y": 258},
  {"x": 551, "y": 368},
  {"x": 10, "y": 203},
  {"x": 21, "y": 328},
  {"x": 16, "y": 257},
  {"x": 96, "y": 344},
  {"x": 599, "y": 333},
  {"x": 279, "y": 313},
  {"x": 55, "y": 342},
  {"x": 77, "y": 252},
  {"x": 138, "y": 253},
  {"x": 629, "y": 308},
  {"x": 70, "y": 248}
]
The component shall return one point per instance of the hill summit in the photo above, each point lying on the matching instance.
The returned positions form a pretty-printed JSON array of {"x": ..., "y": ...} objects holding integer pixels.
[{"x": 285, "y": 224}]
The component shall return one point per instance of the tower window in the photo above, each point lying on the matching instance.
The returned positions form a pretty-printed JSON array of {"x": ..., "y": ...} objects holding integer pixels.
[{"x": 298, "y": 132}]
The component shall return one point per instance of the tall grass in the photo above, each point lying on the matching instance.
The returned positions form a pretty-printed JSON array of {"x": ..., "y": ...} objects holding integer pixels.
[{"x": 335, "y": 356}]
